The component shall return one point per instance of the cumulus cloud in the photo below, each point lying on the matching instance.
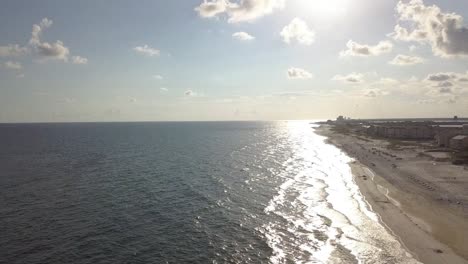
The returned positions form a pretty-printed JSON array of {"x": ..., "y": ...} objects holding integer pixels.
[
  {"x": 445, "y": 84},
  {"x": 158, "y": 77},
  {"x": 243, "y": 36},
  {"x": 442, "y": 76},
  {"x": 147, "y": 50},
  {"x": 38, "y": 29},
  {"x": 445, "y": 32},
  {"x": 13, "y": 65},
  {"x": 298, "y": 30},
  {"x": 189, "y": 93},
  {"x": 247, "y": 10},
  {"x": 352, "y": 78},
  {"x": 446, "y": 80},
  {"x": 212, "y": 8},
  {"x": 373, "y": 93},
  {"x": 298, "y": 73},
  {"x": 363, "y": 50},
  {"x": 12, "y": 51},
  {"x": 79, "y": 60},
  {"x": 404, "y": 60},
  {"x": 56, "y": 50},
  {"x": 445, "y": 90},
  {"x": 240, "y": 10},
  {"x": 44, "y": 50},
  {"x": 163, "y": 89}
]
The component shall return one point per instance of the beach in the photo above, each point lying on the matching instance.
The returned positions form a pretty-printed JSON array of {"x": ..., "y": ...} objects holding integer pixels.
[{"x": 421, "y": 198}]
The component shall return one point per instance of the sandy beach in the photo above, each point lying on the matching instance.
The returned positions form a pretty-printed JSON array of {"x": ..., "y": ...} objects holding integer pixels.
[{"x": 421, "y": 198}]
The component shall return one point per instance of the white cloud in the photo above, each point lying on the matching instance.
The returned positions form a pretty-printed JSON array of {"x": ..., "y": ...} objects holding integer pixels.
[
  {"x": 13, "y": 65},
  {"x": 445, "y": 84},
  {"x": 243, "y": 36},
  {"x": 363, "y": 50},
  {"x": 12, "y": 51},
  {"x": 212, "y": 8},
  {"x": 352, "y": 78},
  {"x": 158, "y": 77},
  {"x": 147, "y": 51},
  {"x": 373, "y": 93},
  {"x": 298, "y": 73},
  {"x": 248, "y": 10},
  {"x": 445, "y": 32},
  {"x": 56, "y": 50},
  {"x": 79, "y": 60},
  {"x": 298, "y": 30},
  {"x": 447, "y": 76},
  {"x": 163, "y": 89},
  {"x": 45, "y": 50},
  {"x": 441, "y": 76},
  {"x": 238, "y": 11},
  {"x": 189, "y": 93},
  {"x": 38, "y": 29},
  {"x": 404, "y": 60}
]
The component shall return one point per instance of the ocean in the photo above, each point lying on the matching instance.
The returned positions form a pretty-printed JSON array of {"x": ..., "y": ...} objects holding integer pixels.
[{"x": 188, "y": 192}]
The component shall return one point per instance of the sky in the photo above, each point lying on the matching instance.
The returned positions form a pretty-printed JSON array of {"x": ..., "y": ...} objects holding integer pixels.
[{"x": 207, "y": 60}]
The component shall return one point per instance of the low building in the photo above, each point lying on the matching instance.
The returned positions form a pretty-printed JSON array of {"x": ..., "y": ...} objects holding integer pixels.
[
  {"x": 402, "y": 131},
  {"x": 445, "y": 133},
  {"x": 459, "y": 142}
]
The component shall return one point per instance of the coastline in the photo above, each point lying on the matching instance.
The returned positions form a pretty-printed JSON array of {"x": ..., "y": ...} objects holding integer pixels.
[{"x": 426, "y": 215}]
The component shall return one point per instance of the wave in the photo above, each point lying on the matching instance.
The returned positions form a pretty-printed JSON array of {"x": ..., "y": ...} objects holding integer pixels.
[{"x": 321, "y": 215}]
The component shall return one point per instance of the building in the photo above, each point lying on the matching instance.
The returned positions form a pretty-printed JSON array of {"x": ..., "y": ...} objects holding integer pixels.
[
  {"x": 459, "y": 142},
  {"x": 402, "y": 131},
  {"x": 446, "y": 132}
]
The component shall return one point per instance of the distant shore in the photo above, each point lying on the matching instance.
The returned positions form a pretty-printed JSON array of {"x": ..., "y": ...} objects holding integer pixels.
[{"x": 423, "y": 202}]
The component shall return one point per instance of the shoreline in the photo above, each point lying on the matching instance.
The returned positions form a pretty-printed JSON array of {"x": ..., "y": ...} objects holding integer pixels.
[{"x": 432, "y": 229}]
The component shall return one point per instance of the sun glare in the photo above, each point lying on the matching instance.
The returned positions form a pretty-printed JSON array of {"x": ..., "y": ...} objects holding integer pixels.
[{"x": 327, "y": 8}]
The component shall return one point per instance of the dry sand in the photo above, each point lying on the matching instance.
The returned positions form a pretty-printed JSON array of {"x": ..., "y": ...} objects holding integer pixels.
[{"x": 423, "y": 202}]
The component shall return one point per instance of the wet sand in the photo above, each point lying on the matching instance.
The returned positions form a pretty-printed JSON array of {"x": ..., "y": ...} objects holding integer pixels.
[{"x": 422, "y": 201}]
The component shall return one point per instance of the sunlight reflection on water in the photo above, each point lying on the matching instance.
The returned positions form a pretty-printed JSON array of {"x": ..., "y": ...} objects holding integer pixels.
[{"x": 328, "y": 220}]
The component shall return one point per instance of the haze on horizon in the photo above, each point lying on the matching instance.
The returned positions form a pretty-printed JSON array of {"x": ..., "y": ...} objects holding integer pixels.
[{"x": 157, "y": 60}]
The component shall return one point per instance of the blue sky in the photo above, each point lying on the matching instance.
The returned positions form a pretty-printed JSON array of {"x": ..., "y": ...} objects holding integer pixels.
[{"x": 231, "y": 60}]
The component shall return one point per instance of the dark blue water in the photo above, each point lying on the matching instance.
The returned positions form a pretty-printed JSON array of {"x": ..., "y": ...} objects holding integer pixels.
[
  {"x": 130, "y": 193},
  {"x": 173, "y": 193}
]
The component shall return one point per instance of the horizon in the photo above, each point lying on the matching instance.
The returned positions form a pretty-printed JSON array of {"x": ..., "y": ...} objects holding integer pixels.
[
  {"x": 236, "y": 60},
  {"x": 240, "y": 121}
]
